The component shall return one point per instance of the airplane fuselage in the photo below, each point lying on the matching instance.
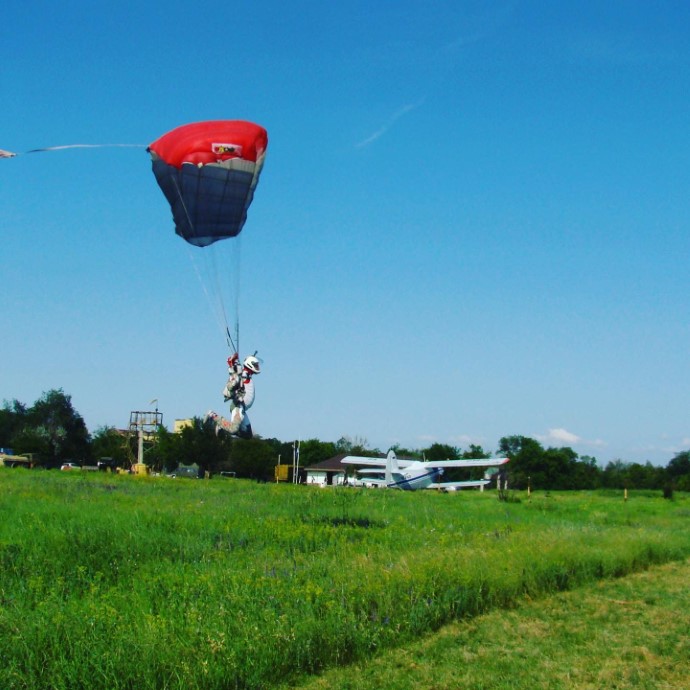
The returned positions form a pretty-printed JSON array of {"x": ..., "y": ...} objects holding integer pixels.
[{"x": 413, "y": 478}]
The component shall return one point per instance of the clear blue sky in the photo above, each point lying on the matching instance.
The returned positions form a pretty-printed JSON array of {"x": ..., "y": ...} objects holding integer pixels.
[{"x": 472, "y": 222}]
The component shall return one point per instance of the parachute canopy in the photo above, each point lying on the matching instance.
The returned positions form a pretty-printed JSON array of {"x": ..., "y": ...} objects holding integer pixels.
[{"x": 208, "y": 172}]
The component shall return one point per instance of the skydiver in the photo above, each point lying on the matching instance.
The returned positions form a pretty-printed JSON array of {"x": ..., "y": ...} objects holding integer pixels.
[{"x": 239, "y": 392}]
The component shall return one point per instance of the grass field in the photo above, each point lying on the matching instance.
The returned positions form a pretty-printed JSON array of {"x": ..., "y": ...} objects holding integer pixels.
[
  {"x": 631, "y": 632},
  {"x": 121, "y": 582}
]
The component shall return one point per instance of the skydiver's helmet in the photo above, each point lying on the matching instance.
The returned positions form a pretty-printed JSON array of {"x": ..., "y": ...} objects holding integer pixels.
[{"x": 252, "y": 364}]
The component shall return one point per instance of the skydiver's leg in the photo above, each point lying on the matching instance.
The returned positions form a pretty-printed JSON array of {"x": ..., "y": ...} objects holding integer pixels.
[
  {"x": 236, "y": 418},
  {"x": 245, "y": 430},
  {"x": 230, "y": 426}
]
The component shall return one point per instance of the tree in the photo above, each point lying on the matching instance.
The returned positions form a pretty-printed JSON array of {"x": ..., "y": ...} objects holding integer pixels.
[
  {"x": 356, "y": 446},
  {"x": 525, "y": 465},
  {"x": 31, "y": 440},
  {"x": 200, "y": 444},
  {"x": 441, "y": 451},
  {"x": 343, "y": 444},
  {"x": 615, "y": 475},
  {"x": 550, "y": 468},
  {"x": 254, "y": 459},
  {"x": 678, "y": 471},
  {"x": 513, "y": 445},
  {"x": 12, "y": 420},
  {"x": 108, "y": 442},
  {"x": 619, "y": 475},
  {"x": 587, "y": 474},
  {"x": 53, "y": 419},
  {"x": 645, "y": 476},
  {"x": 402, "y": 452},
  {"x": 314, "y": 451},
  {"x": 556, "y": 468},
  {"x": 474, "y": 452}
]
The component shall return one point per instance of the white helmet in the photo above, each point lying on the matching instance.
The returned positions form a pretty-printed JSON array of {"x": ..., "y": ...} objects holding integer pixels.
[{"x": 252, "y": 364}]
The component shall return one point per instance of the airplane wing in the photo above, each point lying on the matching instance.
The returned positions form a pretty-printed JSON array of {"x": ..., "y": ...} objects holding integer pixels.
[
  {"x": 483, "y": 462},
  {"x": 370, "y": 481},
  {"x": 359, "y": 460},
  {"x": 381, "y": 462},
  {"x": 373, "y": 462},
  {"x": 459, "y": 485}
]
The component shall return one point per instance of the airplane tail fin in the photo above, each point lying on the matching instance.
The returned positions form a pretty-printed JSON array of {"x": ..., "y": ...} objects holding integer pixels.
[{"x": 391, "y": 467}]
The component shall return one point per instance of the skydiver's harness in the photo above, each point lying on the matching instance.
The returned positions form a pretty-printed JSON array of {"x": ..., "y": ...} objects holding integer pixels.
[{"x": 234, "y": 389}]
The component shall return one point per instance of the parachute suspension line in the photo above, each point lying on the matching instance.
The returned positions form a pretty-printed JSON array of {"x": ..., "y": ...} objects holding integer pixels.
[
  {"x": 222, "y": 274},
  {"x": 213, "y": 277},
  {"x": 231, "y": 342},
  {"x": 235, "y": 272},
  {"x": 184, "y": 206},
  {"x": 214, "y": 302},
  {"x": 219, "y": 309}
]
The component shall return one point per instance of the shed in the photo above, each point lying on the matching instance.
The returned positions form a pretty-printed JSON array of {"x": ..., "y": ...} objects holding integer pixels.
[{"x": 329, "y": 472}]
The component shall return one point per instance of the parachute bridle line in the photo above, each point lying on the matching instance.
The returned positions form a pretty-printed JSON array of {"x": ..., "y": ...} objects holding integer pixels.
[{"x": 11, "y": 154}]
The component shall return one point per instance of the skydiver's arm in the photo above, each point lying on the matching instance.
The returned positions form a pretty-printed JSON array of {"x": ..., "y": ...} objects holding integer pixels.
[{"x": 231, "y": 386}]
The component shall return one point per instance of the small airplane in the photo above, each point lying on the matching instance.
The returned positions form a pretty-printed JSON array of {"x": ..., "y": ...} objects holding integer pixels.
[{"x": 411, "y": 475}]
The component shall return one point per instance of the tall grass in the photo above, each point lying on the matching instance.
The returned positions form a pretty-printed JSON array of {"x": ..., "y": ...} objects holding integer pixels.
[{"x": 119, "y": 582}]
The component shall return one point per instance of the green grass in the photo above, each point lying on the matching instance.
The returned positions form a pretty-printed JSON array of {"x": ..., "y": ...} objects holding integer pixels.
[
  {"x": 629, "y": 632},
  {"x": 122, "y": 582}
]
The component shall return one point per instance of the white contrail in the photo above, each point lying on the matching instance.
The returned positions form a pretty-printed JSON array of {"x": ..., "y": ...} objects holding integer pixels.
[{"x": 391, "y": 121}]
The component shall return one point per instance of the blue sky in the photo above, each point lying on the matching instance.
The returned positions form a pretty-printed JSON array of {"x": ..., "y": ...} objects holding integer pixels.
[{"x": 472, "y": 222}]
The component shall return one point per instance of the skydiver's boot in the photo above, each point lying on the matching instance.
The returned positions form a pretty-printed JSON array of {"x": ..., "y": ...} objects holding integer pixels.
[
  {"x": 245, "y": 431},
  {"x": 212, "y": 416}
]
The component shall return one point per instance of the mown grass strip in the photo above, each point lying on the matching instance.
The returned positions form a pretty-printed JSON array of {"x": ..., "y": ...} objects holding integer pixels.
[{"x": 632, "y": 632}]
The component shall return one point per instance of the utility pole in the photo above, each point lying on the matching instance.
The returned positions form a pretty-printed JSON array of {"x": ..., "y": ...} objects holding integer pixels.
[{"x": 295, "y": 462}]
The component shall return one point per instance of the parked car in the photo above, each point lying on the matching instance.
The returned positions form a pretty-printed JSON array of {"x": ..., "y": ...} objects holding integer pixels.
[
  {"x": 69, "y": 466},
  {"x": 185, "y": 472}
]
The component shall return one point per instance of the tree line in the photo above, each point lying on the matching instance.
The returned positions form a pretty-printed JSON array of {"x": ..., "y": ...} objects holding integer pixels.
[{"x": 54, "y": 433}]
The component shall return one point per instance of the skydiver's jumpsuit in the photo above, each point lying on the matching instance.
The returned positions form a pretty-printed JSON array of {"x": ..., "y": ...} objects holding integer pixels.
[{"x": 239, "y": 391}]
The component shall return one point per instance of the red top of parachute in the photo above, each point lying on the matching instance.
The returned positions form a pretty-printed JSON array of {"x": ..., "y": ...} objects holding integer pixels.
[{"x": 211, "y": 142}]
